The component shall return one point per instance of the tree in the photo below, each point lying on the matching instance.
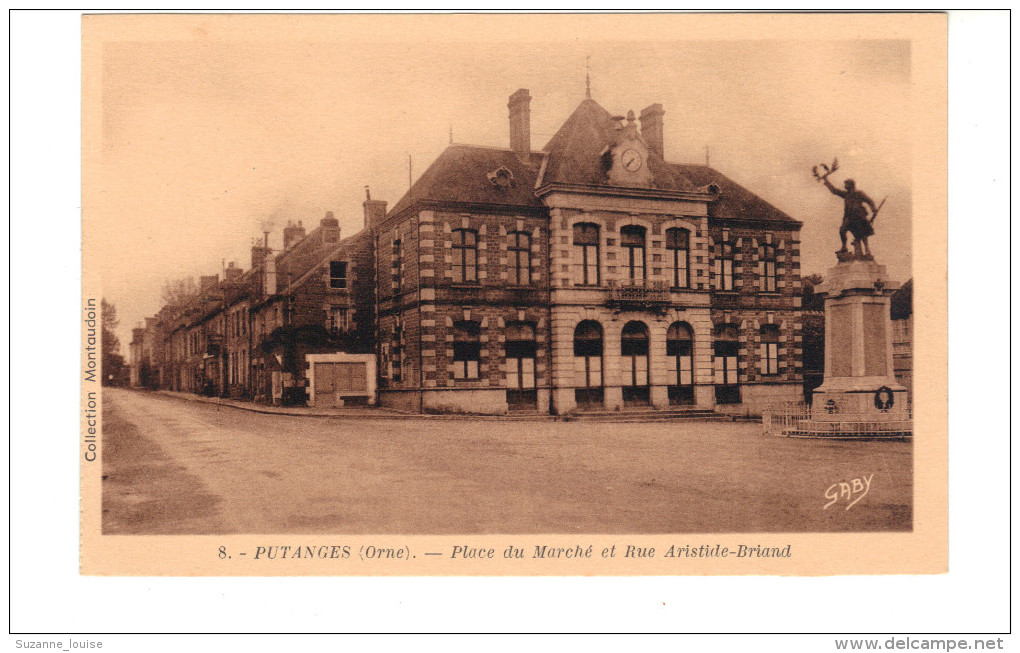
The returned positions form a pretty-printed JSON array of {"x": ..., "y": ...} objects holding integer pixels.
[
  {"x": 113, "y": 361},
  {"x": 180, "y": 292},
  {"x": 811, "y": 282}
]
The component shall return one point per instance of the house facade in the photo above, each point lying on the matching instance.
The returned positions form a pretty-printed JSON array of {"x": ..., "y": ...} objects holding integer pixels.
[{"x": 589, "y": 275}]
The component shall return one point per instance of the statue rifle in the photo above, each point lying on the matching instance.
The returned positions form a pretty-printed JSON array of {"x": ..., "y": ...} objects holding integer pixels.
[{"x": 875, "y": 214}]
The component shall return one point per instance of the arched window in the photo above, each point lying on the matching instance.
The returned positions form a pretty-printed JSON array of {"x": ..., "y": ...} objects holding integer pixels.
[
  {"x": 520, "y": 351},
  {"x": 634, "y": 350},
  {"x": 586, "y": 254},
  {"x": 680, "y": 363},
  {"x": 467, "y": 350},
  {"x": 588, "y": 363},
  {"x": 678, "y": 251},
  {"x": 768, "y": 352},
  {"x": 727, "y": 347},
  {"x": 632, "y": 238},
  {"x": 465, "y": 256},
  {"x": 519, "y": 249}
]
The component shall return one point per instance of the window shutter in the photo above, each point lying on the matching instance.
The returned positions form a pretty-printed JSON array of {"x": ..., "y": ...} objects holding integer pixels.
[
  {"x": 596, "y": 371},
  {"x": 579, "y": 374},
  {"x": 511, "y": 372},
  {"x": 762, "y": 359},
  {"x": 528, "y": 372}
]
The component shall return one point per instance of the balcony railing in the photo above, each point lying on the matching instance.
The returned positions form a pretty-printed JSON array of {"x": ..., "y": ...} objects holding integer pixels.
[{"x": 633, "y": 293}]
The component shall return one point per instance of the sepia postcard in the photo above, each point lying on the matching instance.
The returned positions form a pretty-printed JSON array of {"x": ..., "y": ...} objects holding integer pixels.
[{"x": 514, "y": 295}]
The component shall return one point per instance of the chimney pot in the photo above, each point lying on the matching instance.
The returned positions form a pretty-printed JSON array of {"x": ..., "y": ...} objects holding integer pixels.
[{"x": 520, "y": 122}]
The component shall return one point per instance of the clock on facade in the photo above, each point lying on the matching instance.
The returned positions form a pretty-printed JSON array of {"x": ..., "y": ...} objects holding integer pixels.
[{"x": 631, "y": 160}]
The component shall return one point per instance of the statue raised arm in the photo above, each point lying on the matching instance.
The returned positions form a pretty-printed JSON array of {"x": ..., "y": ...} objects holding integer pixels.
[{"x": 855, "y": 216}]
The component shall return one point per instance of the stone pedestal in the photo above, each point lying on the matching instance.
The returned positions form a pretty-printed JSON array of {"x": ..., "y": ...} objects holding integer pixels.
[{"x": 859, "y": 379}]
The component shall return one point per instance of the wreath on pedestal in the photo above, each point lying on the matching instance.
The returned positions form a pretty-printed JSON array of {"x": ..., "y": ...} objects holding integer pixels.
[{"x": 884, "y": 398}]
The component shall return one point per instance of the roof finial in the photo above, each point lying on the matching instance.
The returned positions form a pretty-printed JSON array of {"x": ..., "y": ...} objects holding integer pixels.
[{"x": 587, "y": 77}]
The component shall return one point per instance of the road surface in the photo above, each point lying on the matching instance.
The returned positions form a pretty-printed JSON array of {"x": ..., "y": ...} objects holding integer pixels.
[{"x": 180, "y": 467}]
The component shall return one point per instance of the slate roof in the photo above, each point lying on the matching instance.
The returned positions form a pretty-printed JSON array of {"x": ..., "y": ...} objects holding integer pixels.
[
  {"x": 734, "y": 201},
  {"x": 573, "y": 157},
  {"x": 901, "y": 304},
  {"x": 460, "y": 174},
  {"x": 575, "y": 152}
]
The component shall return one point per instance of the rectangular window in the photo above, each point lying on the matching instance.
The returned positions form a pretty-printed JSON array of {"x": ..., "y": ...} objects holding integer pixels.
[
  {"x": 586, "y": 254},
  {"x": 339, "y": 317},
  {"x": 520, "y": 258},
  {"x": 771, "y": 358},
  {"x": 768, "y": 257},
  {"x": 520, "y": 350},
  {"x": 398, "y": 266},
  {"x": 465, "y": 256},
  {"x": 632, "y": 238},
  {"x": 467, "y": 350},
  {"x": 769, "y": 351},
  {"x": 338, "y": 274},
  {"x": 724, "y": 266},
  {"x": 678, "y": 255},
  {"x": 396, "y": 353}
]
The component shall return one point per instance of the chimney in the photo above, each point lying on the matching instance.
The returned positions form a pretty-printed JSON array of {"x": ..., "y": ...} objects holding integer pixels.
[
  {"x": 207, "y": 282},
  {"x": 259, "y": 252},
  {"x": 651, "y": 128},
  {"x": 292, "y": 233},
  {"x": 330, "y": 227},
  {"x": 232, "y": 273},
  {"x": 375, "y": 210},
  {"x": 520, "y": 122},
  {"x": 269, "y": 276}
]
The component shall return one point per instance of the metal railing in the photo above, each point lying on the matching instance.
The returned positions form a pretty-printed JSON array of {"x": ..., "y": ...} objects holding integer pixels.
[
  {"x": 799, "y": 420},
  {"x": 638, "y": 291}
]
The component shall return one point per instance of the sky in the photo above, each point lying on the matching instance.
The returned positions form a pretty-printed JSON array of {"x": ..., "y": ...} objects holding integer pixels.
[{"x": 205, "y": 140}]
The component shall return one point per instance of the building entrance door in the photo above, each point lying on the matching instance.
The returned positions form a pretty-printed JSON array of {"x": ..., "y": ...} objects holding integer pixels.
[
  {"x": 634, "y": 350},
  {"x": 588, "y": 392},
  {"x": 680, "y": 364},
  {"x": 520, "y": 350}
]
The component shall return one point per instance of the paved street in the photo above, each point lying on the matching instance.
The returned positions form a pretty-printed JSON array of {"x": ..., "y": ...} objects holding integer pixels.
[{"x": 174, "y": 466}]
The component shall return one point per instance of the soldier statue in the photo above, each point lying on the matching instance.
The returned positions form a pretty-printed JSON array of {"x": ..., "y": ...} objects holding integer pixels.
[{"x": 855, "y": 216}]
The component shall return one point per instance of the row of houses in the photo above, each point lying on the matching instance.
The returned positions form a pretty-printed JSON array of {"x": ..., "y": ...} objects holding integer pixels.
[{"x": 591, "y": 274}]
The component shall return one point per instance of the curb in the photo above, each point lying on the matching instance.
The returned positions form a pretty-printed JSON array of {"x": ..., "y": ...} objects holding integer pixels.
[{"x": 400, "y": 415}]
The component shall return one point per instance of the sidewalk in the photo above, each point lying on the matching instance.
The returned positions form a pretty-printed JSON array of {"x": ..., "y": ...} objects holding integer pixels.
[
  {"x": 358, "y": 412},
  {"x": 363, "y": 412},
  {"x": 354, "y": 412}
]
